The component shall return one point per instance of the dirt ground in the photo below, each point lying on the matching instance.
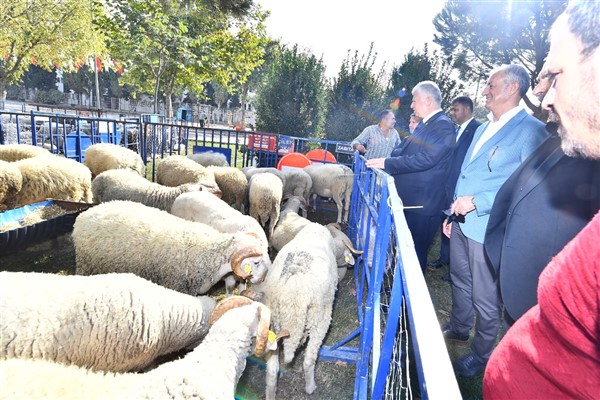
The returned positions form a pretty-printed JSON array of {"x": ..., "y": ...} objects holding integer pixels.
[{"x": 334, "y": 380}]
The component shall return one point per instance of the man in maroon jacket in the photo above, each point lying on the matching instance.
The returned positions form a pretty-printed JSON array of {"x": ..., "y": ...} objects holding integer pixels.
[{"x": 553, "y": 351}]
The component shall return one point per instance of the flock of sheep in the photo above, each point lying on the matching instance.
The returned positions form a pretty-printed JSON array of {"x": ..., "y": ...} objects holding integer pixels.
[{"x": 145, "y": 256}]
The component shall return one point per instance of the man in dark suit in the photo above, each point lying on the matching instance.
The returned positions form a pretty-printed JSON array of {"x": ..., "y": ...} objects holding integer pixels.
[
  {"x": 461, "y": 112},
  {"x": 539, "y": 209},
  {"x": 420, "y": 165}
]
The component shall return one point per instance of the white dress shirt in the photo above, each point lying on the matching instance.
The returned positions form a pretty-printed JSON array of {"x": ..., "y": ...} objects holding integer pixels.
[
  {"x": 493, "y": 127},
  {"x": 427, "y": 118},
  {"x": 462, "y": 128}
]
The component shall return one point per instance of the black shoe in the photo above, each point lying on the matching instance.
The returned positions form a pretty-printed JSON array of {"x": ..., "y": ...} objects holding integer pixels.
[
  {"x": 468, "y": 366},
  {"x": 449, "y": 334},
  {"x": 437, "y": 264},
  {"x": 446, "y": 278}
]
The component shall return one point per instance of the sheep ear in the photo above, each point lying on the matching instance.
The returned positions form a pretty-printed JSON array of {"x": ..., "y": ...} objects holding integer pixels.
[
  {"x": 335, "y": 225},
  {"x": 252, "y": 294},
  {"x": 262, "y": 331},
  {"x": 284, "y": 333},
  {"x": 351, "y": 248}
]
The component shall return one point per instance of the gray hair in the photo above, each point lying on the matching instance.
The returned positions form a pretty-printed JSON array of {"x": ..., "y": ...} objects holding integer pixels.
[
  {"x": 584, "y": 23},
  {"x": 429, "y": 89},
  {"x": 514, "y": 73}
]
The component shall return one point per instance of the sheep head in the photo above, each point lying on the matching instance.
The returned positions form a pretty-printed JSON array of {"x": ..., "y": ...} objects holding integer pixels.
[
  {"x": 262, "y": 325},
  {"x": 248, "y": 260},
  {"x": 212, "y": 188}
]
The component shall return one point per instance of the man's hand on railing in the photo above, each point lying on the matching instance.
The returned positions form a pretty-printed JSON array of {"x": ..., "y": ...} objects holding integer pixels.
[{"x": 376, "y": 163}]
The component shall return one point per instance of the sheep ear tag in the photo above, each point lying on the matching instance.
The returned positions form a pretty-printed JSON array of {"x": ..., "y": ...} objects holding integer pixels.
[
  {"x": 248, "y": 268},
  {"x": 272, "y": 341},
  {"x": 347, "y": 258}
]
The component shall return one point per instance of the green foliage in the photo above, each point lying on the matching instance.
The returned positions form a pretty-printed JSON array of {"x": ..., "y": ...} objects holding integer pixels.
[
  {"x": 168, "y": 45},
  {"x": 482, "y": 35},
  {"x": 422, "y": 65},
  {"x": 49, "y": 96},
  {"x": 292, "y": 99},
  {"x": 46, "y": 33},
  {"x": 355, "y": 97},
  {"x": 38, "y": 78}
]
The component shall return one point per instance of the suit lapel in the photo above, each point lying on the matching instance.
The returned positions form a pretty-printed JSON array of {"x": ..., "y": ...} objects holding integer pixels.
[
  {"x": 419, "y": 132},
  {"x": 476, "y": 137},
  {"x": 541, "y": 171},
  {"x": 494, "y": 140}
]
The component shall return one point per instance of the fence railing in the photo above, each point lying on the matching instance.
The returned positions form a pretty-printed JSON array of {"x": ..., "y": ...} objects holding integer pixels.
[{"x": 398, "y": 324}]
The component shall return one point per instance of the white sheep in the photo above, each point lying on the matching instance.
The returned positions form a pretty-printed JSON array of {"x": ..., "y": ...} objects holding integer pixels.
[
  {"x": 334, "y": 181},
  {"x": 297, "y": 183},
  {"x": 290, "y": 223},
  {"x": 190, "y": 257},
  {"x": 206, "y": 208},
  {"x": 178, "y": 170},
  {"x": 16, "y": 152},
  {"x": 114, "y": 322},
  {"x": 106, "y": 156},
  {"x": 233, "y": 184},
  {"x": 265, "y": 193},
  {"x": 53, "y": 177},
  {"x": 210, "y": 371},
  {"x": 11, "y": 182},
  {"x": 123, "y": 184},
  {"x": 251, "y": 171},
  {"x": 209, "y": 158},
  {"x": 299, "y": 290}
]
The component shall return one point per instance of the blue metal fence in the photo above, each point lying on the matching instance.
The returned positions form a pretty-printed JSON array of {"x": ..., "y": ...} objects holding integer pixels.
[{"x": 394, "y": 307}]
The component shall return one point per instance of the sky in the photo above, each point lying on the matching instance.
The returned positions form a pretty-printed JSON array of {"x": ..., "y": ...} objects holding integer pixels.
[{"x": 330, "y": 28}]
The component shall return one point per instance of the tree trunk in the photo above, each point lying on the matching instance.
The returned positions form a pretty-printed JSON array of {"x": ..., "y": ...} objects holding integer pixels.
[
  {"x": 2, "y": 89},
  {"x": 156, "y": 89},
  {"x": 168, "y": 104},
  {"x": 243, "y": 101}
]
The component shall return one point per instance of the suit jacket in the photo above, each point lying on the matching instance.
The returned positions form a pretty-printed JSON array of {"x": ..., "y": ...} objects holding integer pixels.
[
  {"x": 458, "y": 156},
  {"x": 420, "y": 163},
  {"x": 497, "y": 159},
  {"x": 539, "y": 209}
]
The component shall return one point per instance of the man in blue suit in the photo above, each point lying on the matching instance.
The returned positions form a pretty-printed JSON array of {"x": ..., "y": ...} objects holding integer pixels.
[
  {"x": 498, "y": 148},
  {"x": 420, "y": 164},
  {"x": 461, "y": 112},
  {"x": 549, "y": 192}
]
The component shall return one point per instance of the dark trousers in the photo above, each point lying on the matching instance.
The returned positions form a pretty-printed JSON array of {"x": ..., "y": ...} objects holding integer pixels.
[
  {"x": 474, "y": 294},
  {"x": 445, "y": 249},
  {"x": 423, "y": 229}
]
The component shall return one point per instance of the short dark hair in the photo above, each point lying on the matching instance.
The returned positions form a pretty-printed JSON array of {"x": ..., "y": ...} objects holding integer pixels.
[
  {"x": 584, "y": 23},
  {"x": 415, "y": 116},
  {"x": 464, "y": 100},
  {"x": 384, "y": 113}
]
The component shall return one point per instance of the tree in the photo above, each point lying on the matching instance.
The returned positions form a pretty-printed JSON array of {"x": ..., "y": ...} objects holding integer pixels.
[
  {"x": 292, "y": 98},
  {"x": 46, "y": 33},
  {"x": 168, "y": 45},
  {"x": 482, "y": 35},
  {"x": 355, "y": 97},
  {"x": 418, "y": 66}
]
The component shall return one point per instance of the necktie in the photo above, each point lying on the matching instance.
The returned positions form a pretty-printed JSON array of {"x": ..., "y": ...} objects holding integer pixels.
[{"x": 456, "y": 133}]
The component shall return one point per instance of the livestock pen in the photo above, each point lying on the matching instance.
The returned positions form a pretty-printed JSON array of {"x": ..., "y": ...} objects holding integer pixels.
[{"x": 398, "y": 327}]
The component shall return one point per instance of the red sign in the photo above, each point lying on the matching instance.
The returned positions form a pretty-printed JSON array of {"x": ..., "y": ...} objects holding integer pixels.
[{"x": 262, "y": 142}]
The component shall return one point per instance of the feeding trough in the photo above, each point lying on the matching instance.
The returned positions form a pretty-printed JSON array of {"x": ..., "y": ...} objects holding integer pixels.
[{"x": 37, "y": 222}]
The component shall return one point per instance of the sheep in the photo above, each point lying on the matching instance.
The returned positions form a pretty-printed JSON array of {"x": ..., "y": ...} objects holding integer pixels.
[
  {"x": 16, "y": 152},
  {"x": 206, "y": 208},
  {"x": 297, "y": 183},
  {"x": 265, "y": 193},
  {"x": 53, "y": 177},
  {"x": 177, "y": 170},
  {"x": 113, "y": 322},
  {"x": 123, "y": 184},
  {"x": 11, "y": 182},
  {"x": 189, "y": 257},
  {"x": 233, "y": 185},
  {"x": 335, "y": 181},
  {"x": 251, "y": 171},
  {"x": 210, "y": 371},
  {"x": 290, "y": 223},
  {"x": 299, "y": 290},
  {"x": 106, "y": 156},
  {"x": 209, "y": 158}
]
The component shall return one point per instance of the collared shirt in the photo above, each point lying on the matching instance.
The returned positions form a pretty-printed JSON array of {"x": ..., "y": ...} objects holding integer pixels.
[
  {"x": 428, "y": 117},
  {"x": 377, "y": 143},
  {"x": 462, "y": 128},
  {"x": 494, "y": 126}
]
